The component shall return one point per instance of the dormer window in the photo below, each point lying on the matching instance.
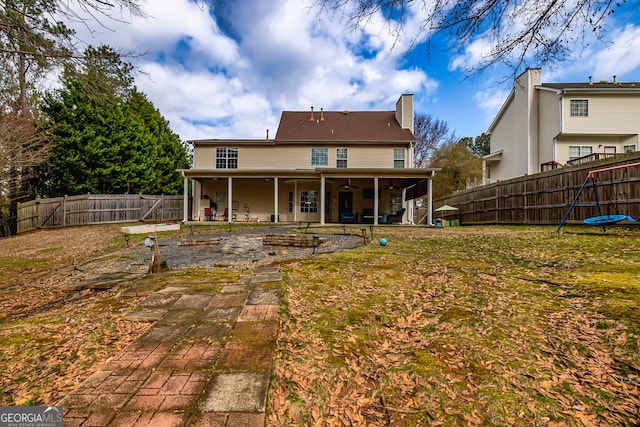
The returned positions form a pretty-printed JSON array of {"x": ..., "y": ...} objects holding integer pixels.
[{"x": 579, "y": 108}]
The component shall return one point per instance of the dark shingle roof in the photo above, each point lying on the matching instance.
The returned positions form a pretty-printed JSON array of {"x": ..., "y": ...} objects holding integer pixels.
[
  {"x": 341, "y": 126},
  {"x": 594, "y": 85}
]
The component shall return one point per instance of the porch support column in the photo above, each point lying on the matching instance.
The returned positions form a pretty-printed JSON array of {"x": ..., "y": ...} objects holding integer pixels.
[
  {"x": 196, "y": 191},
  {"x": 375, "y": 200},
  {"x": 185, "y": 199},
  {"x": 229, "y": 200},
  {"x": 430, "y": 200},
  {"x": 404, "y": 204},
  {"x": 484, "y": 171},
  {"x": 275, "y": 199},
  {"x": 322, "y": 199},
  {"x": 295, "y": 201}
]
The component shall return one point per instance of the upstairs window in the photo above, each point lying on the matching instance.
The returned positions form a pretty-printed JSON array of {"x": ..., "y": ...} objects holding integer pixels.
[
  {"x": 226, "y": 158},
  {"x": 629, "y": 148},
  {"x": 398, "y": 157},
  {"x": 579, "y": 108},
  {"x": 341, "y": 158},
  {"x": 319, "y": 157}
]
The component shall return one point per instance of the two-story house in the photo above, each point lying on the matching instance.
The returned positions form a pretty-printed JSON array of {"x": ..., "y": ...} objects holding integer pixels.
[
  {"x": 321, "y": 167},
  {"x": 543, "y": 125}
]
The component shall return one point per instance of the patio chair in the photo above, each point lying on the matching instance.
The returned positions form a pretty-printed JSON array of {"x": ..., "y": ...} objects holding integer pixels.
[
  {"x": 396, "y": 218},
  {"x": 367, "y": 215},
  {"x": 347, "y": 217},
  {"x": 209, "y": 214}
]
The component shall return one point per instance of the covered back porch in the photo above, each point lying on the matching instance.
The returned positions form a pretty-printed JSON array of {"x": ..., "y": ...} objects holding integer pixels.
[{"x": 321, "y": 195}]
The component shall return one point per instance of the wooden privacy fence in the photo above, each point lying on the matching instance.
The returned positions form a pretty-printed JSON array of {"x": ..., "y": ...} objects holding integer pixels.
[
  {"x": 545, "y": 197},
  {"x": 97, "y": 209}
]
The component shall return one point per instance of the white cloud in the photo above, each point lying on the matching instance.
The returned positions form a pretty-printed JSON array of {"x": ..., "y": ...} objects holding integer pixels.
[
  {"x": 228, "y": 72},
  {"x": 490, "y": 101},
  {"x": 621, "y": 57},
  {"x": 220, "y": 69},
  {"x": 477, "y": 52}
]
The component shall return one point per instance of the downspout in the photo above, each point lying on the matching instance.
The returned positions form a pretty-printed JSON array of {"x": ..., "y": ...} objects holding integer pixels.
[{"x": 411, "y": 155}]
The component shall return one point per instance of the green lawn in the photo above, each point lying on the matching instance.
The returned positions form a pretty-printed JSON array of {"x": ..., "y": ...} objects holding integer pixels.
[{"x": 467, "y": 325}]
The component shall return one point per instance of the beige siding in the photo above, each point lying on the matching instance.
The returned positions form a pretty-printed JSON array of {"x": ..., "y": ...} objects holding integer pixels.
[
  {"x": 515, "y": 133},
  {"x": 204, "y": 157},
  {"x": 535, "y": 125},
  {"x": 549, "y": 126},
  {"x": 502, "y": 138},
  {"x": 608, "y": 114},
  {"x": 299, "y": 157},
  {"x": 524, "y": 131},
  {"x": 598, "y": 143}
]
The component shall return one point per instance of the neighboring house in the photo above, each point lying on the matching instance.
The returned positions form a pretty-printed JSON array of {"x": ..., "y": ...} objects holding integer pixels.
[
  {"x": 321, "y": 167},
  {"x": 542, "y": 126}
]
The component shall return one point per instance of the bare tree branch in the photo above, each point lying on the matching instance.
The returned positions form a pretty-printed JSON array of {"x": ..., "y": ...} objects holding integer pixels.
[
  {"x": 430, "y": 133},
  {"x": 517, "y": 33}
]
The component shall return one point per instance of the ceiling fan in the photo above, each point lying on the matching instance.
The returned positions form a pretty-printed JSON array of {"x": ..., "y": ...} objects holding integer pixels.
[
  {"x": 347, "y": 185},
  {"x": 393, "y": 186}
]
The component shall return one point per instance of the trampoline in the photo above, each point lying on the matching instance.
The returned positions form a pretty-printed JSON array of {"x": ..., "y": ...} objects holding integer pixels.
[
  {"x": 607, "y": 219},
  {"x": 600, "y": 220}
]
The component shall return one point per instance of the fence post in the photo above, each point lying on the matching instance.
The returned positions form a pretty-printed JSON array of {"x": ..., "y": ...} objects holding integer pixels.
[{"x": 64, "y": 210}]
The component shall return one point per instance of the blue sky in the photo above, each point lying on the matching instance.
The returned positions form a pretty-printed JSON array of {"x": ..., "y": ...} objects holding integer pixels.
[{"x": 220, "y": 69}]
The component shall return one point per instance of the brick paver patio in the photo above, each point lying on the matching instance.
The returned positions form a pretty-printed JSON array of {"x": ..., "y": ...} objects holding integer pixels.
[{"x": 205, "y": 362}]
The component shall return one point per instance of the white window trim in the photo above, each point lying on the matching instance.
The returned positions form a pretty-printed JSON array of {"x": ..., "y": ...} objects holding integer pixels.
[
  {"x": 227, "y": 158},
  {"x": 579, "y": 106}
]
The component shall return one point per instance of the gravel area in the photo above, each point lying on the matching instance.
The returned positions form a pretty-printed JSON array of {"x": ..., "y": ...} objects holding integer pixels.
[{"x": 179, "y": 254}]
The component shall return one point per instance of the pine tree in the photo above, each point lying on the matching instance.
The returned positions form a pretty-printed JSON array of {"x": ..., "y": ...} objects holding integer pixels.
[{"x": 108, "y": 138}]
